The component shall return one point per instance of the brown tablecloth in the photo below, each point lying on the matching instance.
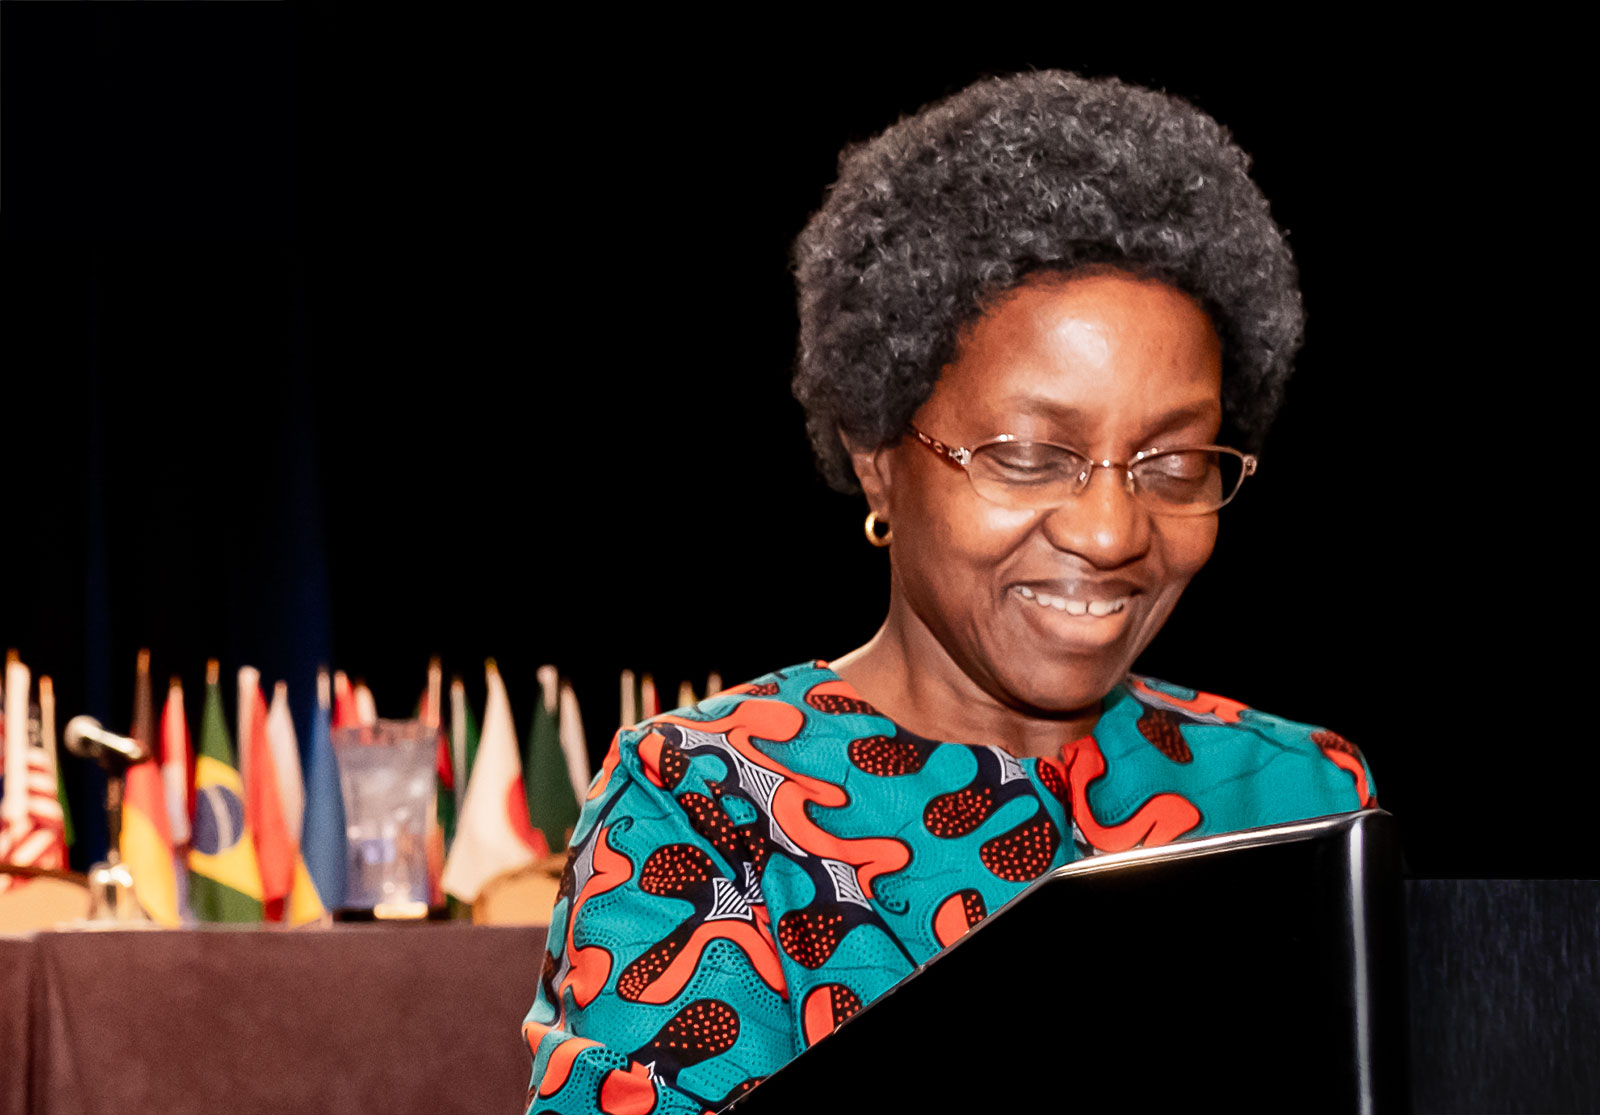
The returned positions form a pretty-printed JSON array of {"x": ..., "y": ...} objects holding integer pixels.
[
  {"x": 1504, "y": 1002},
  {"x": 374, "y": 1018}
]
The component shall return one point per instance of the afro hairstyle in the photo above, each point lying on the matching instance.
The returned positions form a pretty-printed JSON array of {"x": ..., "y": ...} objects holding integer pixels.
[{"x": 1036, "y": 172}]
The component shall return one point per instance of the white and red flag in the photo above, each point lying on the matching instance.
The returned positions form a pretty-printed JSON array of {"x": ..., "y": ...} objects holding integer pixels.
[
  {"x": 30, "y": 815},
  {"x": 263, "y": 803},
  {"x": 177, "y": 764},
  {"x": 493, "y": 833},
  {"x": 286, "y": 761}
]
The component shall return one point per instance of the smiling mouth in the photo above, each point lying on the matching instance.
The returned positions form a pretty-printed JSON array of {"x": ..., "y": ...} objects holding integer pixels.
[{"x": 1074, "y": 607}]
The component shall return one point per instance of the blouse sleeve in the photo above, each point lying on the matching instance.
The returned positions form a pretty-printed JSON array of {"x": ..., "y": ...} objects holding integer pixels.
[{"x": 661, "y": 989}]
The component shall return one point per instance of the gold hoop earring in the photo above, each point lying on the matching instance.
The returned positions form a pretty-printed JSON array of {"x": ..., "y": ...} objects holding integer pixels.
[{"x": 879, "y": 540}]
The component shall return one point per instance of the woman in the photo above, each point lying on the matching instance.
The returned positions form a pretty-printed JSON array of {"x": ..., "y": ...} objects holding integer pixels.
[{"x": 1038, "y": 322}]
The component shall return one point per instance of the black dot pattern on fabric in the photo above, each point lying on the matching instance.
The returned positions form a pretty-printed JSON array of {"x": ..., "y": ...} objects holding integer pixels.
[
  {"x": 845, "y": 1002},
  {"x": 674, "y": 869},
  {"x": 959, "y": 812},
  {"x": 973, "y": 906},
  {"x": 674, "y": 765},
  {"x": 1022, "y": 854},
  {"x": 650, "y": 965},
  {"x": 1054, "y": 784},
  {"x": 740, "y": 1089},
  {"x": 710, "y": 820},
  {"x": 836, "y": 704},
  {"x": 765, "y": 689},
  {"x": 702, "y": 1029},
  {"x": 810, "y": 937},
  {"x": 1164, "y": 731},
  {"x": 886, "y": 756}
]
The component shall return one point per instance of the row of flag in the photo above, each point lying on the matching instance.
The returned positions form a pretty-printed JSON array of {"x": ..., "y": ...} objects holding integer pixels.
[{"x": 218, "y": 833}]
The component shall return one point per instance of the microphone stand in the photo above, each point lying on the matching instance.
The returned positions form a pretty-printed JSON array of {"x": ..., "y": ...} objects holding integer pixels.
[{"x": 111, "y": 897}]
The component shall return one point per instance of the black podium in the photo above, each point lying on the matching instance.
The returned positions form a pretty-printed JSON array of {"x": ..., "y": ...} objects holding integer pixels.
[{"x": 1257, "y": 971}]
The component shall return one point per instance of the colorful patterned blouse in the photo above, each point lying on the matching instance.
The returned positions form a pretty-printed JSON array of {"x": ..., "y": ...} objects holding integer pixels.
[{"x": 749, "y": 872}]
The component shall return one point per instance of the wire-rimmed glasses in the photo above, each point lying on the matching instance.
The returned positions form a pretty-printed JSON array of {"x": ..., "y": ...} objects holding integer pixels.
[{"x": 1040, "y": 475}]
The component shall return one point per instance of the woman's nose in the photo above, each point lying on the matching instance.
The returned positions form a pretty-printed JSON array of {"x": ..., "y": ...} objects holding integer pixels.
[{"x": 1106, "y": 524}]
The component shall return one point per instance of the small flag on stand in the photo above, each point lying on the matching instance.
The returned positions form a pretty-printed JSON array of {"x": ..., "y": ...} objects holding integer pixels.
[
  {"x": 285, "y": 750},
  {"x": 552, "y": 803},
  {"x": 178, "y": 784},
  {"x": 47, "y": 741},
  {"x": 463, "y": 739},
  {"x": 366, "y": 707},
  {"x": 224, "y": 880},
  {"x": 146, "y": 841},
  {"x": 442, "y": 817},
  {"x": 574, "y": 746},
  {"x": 344, "y": 703},
  {"x": 176, "y": 776},
  {"x": 493, "y": 834},
  {"x": 630, "y": 700},
  {"x": 263, "y": 802},
  {"x": 14, "y": 799},
  {"x": 323, "y": 838},
  {"x": 30, "y": 814}
]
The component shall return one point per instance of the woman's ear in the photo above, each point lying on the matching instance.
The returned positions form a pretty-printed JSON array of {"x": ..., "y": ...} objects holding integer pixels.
[{"x": 872, "y": 468}]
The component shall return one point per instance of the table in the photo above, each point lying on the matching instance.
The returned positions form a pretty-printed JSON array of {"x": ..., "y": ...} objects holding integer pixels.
[
  {"x": 1504, "y": 988},
  {"x": 356, "y": 1018}
]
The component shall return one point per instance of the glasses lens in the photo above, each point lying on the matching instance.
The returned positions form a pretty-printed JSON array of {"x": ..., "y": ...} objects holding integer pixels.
[
  {"x": 1025, "y": 475},
  {"x": 1189, "y": 481}
]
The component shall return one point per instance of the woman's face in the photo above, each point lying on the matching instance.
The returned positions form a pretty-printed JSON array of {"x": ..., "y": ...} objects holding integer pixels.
[{"x": 1108, "y": 365}]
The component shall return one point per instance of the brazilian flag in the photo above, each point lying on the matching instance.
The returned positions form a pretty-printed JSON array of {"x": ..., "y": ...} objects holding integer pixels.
[{"x": 224, "y": 880}]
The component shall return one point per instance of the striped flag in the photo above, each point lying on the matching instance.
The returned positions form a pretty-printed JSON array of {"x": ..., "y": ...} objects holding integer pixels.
[{"x": 30, "y": 814}]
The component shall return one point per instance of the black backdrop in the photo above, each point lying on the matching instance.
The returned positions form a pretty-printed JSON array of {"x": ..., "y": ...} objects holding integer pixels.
[{"x": 330, "y": 336}]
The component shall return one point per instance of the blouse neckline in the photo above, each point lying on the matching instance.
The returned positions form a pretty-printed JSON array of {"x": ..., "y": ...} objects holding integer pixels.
[{"x": 1111, "y": 700}]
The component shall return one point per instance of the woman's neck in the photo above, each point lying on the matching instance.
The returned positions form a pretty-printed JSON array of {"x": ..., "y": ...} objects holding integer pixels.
[{"x": 904, "y": 673}]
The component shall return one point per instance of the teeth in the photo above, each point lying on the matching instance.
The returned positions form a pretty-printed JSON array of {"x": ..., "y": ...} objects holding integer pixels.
[{"x": 1073, "y": 607}]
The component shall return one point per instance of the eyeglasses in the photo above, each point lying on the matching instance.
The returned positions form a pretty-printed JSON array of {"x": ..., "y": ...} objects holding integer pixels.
[{"x": 1040, "y": 475}]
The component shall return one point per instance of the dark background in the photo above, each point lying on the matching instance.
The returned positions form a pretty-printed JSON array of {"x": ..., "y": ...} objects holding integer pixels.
[{"x": 334, "y": 337}]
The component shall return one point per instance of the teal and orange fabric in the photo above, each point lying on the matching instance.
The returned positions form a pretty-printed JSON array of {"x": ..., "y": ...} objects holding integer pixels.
[{"x": 749, "y": 872}]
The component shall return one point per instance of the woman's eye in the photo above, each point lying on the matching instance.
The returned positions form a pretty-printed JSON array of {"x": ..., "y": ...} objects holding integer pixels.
[
  {"x": 1179, "y": 476},
  {"x": 1025, "y": 462}
]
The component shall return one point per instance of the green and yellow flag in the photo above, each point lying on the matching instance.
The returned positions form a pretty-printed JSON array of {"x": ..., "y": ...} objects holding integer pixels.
[{"x": 224, "y": 879}]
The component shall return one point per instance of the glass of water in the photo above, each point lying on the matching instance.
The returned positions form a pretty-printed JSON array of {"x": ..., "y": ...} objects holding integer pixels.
[{"x": 386, "y": 773}]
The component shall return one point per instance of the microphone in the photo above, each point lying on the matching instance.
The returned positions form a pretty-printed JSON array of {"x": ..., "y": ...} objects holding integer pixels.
[{"x": 85, "y": 737}]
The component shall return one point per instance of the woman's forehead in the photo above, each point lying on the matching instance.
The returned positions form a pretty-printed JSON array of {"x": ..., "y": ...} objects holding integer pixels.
[{"x": 1078, "y": 351}]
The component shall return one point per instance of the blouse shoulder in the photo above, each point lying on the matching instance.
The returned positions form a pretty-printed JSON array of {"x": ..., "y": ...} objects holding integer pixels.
[{"x": 1175, "y": 720}]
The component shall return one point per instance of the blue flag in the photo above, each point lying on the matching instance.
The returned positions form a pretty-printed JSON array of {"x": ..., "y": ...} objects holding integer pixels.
[{"x": 322, "y": 838}]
